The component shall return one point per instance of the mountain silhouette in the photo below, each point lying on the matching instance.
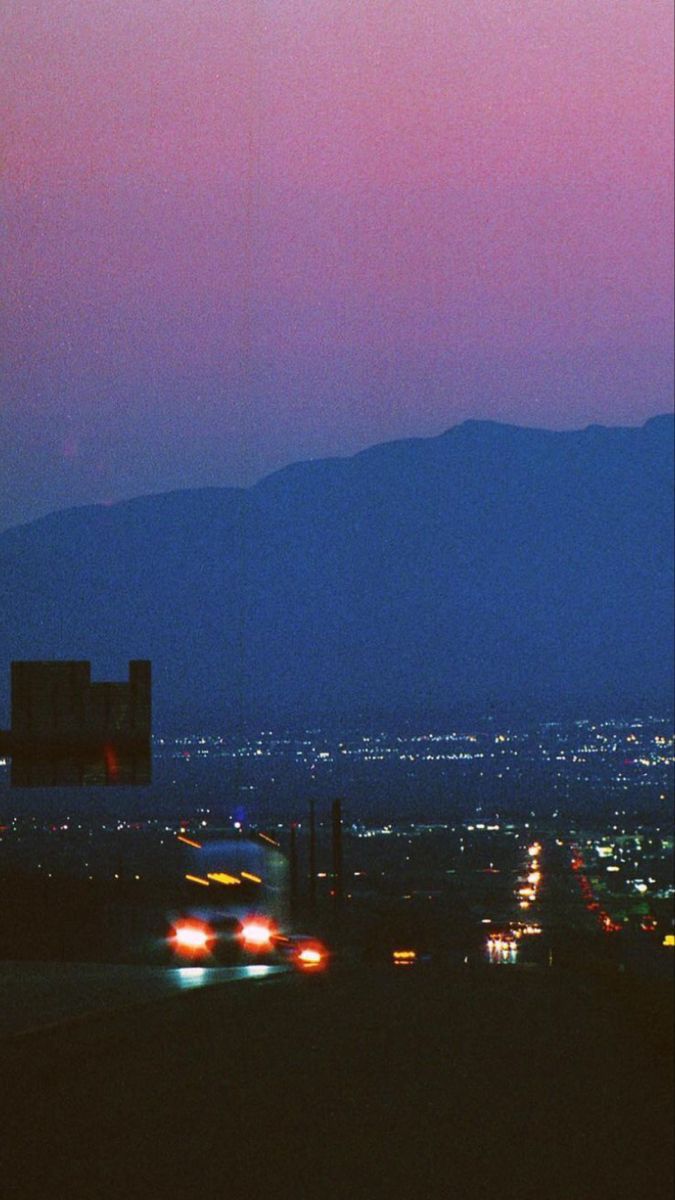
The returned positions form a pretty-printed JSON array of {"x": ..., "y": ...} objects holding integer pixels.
[{"x": 491, "y": 568}]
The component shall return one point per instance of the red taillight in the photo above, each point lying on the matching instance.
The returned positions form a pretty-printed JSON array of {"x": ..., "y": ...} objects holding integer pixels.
[
  {"x": 256, "y": 934},
  {"x": 192, "y": 937},
  {"x": 311, "y": 956}
]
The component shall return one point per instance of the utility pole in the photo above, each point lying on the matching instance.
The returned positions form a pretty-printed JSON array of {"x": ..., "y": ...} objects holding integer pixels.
[
  {"x": 312, "y": 857},
  {"x": 294, "y": 869},
  {"x": 338, "y": 889}
]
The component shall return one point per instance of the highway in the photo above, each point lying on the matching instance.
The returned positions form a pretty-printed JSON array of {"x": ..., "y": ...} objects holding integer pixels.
[
  {"x": 35, "y": 996},
  {"x": 361, "y": 1084}
]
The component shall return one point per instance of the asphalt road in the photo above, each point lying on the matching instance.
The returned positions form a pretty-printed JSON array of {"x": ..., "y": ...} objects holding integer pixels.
[
  {"x": 366, "y": 1083},
  {"x": 34, "y": 994}
]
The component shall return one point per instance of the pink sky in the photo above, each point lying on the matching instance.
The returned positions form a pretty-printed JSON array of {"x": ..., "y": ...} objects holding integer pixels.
[{"x": 246, "y": 233}]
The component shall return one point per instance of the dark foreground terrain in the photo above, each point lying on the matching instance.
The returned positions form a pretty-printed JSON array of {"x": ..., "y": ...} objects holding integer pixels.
[{"x": 372, "y": 1082}]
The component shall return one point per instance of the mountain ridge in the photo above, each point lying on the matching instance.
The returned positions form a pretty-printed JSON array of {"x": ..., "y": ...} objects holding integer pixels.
[
  {"x": 490, "y": 565},
  {"x": 659, "y": 419}
]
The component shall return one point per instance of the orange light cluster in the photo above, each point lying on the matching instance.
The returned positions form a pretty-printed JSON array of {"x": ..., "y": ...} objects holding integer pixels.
[
  {"x": 504, "y": 939},
  {"x": 526, "y": 892},
  {"x": 503, "y": 947},
  {"x": 404, "y": 958}
]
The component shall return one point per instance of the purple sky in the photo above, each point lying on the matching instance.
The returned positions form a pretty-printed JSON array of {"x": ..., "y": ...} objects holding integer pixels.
[{"x": 244, "y": 232}]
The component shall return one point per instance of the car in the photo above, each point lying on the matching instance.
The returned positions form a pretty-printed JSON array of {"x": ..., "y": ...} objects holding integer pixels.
[
  {"x": 303, "y": 951},
  {"x": 221, "y": 939}
]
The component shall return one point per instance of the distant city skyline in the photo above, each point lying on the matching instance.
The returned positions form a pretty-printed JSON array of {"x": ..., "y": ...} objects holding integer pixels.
[{"x": 243, "y": 235}]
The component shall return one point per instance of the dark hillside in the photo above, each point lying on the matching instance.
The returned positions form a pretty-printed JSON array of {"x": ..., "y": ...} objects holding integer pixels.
[{"x": 490, "y": 566}]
